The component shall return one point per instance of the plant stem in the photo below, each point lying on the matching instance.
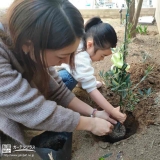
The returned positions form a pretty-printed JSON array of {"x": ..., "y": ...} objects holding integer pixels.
[{"x": 126, "y": 34}]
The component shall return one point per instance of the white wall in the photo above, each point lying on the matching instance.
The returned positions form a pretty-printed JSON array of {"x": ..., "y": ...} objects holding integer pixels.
[
  {"x": 113, "y": 13},
  {"x": 83, "y": 3},
  {"x": 158, "y": 15},
  {"x": 155, "y": 3},
  {"x": 5, "y": 3}
]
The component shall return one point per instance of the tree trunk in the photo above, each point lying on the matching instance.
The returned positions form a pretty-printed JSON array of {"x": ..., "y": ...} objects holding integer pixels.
[
  {"x": 131, "y": 11},
  {"x": 135, "y": 18}
]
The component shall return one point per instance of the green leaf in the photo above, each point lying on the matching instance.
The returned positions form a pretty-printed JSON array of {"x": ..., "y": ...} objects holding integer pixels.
[
  {"x": 140, "y": 92},
  {"x": 140, "y": 30},
  {"x": 110, "y": 73},
  {"x": 107, "y": 155},
  {"x": 123, "y": 84},
  {"x": 114, "y": 88},
  {"x": 124, "y": 66},
  {"x": 148, "y": 91},
  {"x": 145, "y": 91},
  {"x": 101, "y": 73},
  {"x": 117, "y": 70},
  {"x": 115, "y": 83},
  {"x": 124, "y": 93},
  {"x": 127, "y": 79},
  {"x": 106, "y": 74}
]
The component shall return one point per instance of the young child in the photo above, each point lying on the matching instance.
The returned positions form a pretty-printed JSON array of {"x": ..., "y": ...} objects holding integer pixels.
[{"x": 97, "y": 42}]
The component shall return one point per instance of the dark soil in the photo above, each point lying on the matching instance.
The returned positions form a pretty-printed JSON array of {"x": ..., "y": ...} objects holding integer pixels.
[{"x": 117, "y": 134}]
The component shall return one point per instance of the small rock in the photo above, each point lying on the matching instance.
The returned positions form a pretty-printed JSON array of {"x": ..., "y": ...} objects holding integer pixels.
[
  {"x": 141, "y": 153},
  {"x": 103, "y": 145},
  {"x": 116, "y": 144},
  {"x": 151, "y": 81},
  {"x": 136, "y": 40}
]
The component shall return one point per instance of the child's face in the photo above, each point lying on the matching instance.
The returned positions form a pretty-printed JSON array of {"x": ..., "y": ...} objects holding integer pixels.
[{"x": 100, "y": 54}]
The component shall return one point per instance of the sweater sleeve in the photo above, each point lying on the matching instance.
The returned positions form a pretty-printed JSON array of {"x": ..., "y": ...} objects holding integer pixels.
[
  {"x": 84, "y": 72},
  {"x": 58, "y": 90},
  {"x": 23, "y": 104}
]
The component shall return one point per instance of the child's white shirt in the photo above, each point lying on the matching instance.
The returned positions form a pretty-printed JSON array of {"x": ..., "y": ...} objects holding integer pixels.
[{"x": 84, "y": 72}]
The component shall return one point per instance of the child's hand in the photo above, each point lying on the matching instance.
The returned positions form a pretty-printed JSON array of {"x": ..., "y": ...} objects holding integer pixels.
[
  {"x": 118, "y": 115},
  {"x": 104, "y": 115}
]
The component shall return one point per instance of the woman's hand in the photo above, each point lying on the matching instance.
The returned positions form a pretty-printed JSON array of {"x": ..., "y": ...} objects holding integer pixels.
[
  {"x": 101, "y": 127},
  {"x": 115, "y": 113},
  {"x": 97, "y": 126},
  {"x": 104, "y": 115}
]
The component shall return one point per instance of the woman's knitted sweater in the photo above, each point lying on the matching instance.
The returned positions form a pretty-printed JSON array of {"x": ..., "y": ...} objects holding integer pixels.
[{"x": 23, "y": 105}]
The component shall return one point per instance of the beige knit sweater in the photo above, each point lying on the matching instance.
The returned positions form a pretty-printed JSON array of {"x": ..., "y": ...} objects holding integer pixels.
[{"x": 22, "y": 104}]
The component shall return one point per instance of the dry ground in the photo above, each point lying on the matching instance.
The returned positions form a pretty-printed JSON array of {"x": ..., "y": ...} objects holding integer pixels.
[{"x": 145, "y": 143}]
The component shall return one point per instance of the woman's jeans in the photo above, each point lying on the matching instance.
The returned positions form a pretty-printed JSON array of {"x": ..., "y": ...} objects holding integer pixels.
[{"x": 67, "y": 78}]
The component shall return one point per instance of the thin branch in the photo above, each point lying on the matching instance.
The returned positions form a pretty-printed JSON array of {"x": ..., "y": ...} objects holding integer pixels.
[{"x": 50, "y": 156}]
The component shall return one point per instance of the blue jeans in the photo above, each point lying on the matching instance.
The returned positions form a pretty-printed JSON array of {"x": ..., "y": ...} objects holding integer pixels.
[{"x": 67, "y": 78}]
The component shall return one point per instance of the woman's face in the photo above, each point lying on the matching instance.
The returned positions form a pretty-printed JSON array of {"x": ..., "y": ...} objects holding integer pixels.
[{"x": 57, "y": 57}]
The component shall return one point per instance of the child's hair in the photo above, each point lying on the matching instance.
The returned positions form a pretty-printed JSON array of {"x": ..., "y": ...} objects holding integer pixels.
[
  {"x": 103, "y": 34},
  {"x": 47, "y": 24}
]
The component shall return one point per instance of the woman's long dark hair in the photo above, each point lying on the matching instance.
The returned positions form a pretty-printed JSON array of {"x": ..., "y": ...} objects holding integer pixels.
[
  {"x": 103, "y": 34},
  {"x": 47, "y": 24}
]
